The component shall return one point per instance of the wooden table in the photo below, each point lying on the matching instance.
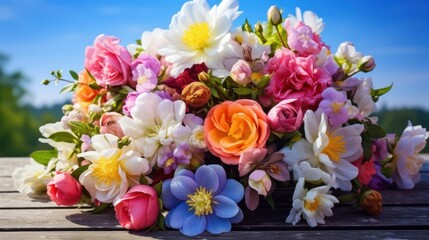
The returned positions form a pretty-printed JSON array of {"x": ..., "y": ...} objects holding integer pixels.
[{"x": 405, "y": 216}]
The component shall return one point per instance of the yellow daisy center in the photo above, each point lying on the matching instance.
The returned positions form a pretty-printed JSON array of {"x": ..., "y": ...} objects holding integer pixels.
[
  {"x": 106, "y": 169},
  {"x": 197, "y": 36},
  {"x": 312, "y": 205},
  {"x": 336, "y": 147},
  {"x": 201, "y": 202}
]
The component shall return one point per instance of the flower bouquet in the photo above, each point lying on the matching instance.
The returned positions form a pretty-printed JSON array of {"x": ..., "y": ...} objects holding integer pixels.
[{"x": 195, "y": 122}]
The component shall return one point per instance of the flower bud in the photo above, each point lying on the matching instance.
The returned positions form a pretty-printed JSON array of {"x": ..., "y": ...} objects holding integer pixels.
[
  {"x": 367, "y": 64},
  {"x": 274, "y": 15},
  {"x": 258, "y": 28},
  {"x": 241, "y": 72},
  {"x": 196, "y": 94},
  {"x": 203, "y": 77},
  {"x": 371, "y": 202}
]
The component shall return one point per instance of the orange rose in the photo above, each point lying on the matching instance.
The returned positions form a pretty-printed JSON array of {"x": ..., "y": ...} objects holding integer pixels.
[
  {"x": 84, "y": 95},
  {"x": 232, "y": 127}
]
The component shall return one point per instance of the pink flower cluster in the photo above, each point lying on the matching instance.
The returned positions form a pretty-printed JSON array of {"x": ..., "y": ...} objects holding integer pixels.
[{"x": 294, "y": 77}]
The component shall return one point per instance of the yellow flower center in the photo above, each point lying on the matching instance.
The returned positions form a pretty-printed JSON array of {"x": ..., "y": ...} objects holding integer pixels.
[
  {"x": 311, "y": 206},
  {"x": 197, "y": 36},
  {"x": 336, "y": 147},
  {"x": 201, "y": 202},
  {"x": 106, "y": 169},
  {"x": 142, "y": 79},
  {"x": 336, "y": 107},
  {"x": 169, "y": 162}
]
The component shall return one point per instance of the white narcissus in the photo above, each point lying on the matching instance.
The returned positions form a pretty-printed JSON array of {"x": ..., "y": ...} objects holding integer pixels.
[
  {"x": 199, "y": 34},
  {"x": 406, "y": 156},
  {"x": 32, "y": 178},
  {"x": 113, "y": 170},
  {"x": 313, "y": 204},
  {"x": 331, "y": 150}
]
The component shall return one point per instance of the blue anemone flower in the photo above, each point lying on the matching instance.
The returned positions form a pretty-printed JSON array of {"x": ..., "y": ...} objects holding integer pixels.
[{"x": 202, "y": 201}]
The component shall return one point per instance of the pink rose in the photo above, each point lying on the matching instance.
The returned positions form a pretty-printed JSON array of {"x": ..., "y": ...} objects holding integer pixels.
[
  {"x": 286, "y": 116},
  {"x": 108, "y": 62},
  {"x": 138, "y": 208},
  {"x": 109, "y": 124},
  {"x": 296, "y": 77},
  {"x": 64, "y": 189}
]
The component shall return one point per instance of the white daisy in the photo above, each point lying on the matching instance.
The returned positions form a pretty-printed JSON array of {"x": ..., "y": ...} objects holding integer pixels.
[
  {"x": 313, "y": 204},
  {"x": 112, "y": 170},
  {"x": 331, "y": 150},
  {"x": 199, "y": 34}
]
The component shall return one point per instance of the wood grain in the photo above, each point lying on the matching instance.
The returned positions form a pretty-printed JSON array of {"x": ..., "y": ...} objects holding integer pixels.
[
  {"x": 132, "y": 235},
  {"x": 262, "y": 219}
]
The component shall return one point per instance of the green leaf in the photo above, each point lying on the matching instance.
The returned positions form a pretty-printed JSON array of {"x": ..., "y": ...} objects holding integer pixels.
[
  {"x": 376, "y": 93},
  {"x": 76, "y": 173},
  {"x": 161, "y": 222},
  {"x": 246, "y": 26},
  {"x": 367, "y": 147},
  {"x": 94, "y": 85},
  {"x": 270, "y": 201},
  {"x": 74, "y": 75},
  {"x": 78, "y": 127},
  {"x": 348, "y": 198},
  {"x": 63, "y": 137},
  {"x": 100, "y": 208},
  {"x": 374, "y": 130},
  {"x": 243, "y": 91},
  {"x": 69, "y": 88},
  {"x": 158, "y": 188},
  {"x": 143, "y": 180},
  {"x": 44, "y": 156},
  {"x": 139, "y": 42},
  {"x": 263, "y": 82}
]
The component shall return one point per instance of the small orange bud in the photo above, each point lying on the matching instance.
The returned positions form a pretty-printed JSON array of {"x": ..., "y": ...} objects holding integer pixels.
[
  {"x": 371, "y": 202},
  {"x": 196, "y": 94}
]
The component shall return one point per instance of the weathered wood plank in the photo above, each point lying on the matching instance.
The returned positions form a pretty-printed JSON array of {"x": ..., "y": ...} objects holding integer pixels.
[
  {"x": 7, "y": 165},
  {"x": 6, "y": 185},
  {"x": 400, "y": 218},
  {"x": 323, "y": 234}
]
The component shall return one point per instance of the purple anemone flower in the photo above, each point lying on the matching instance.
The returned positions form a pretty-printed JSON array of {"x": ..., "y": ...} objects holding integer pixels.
[{"x": 202, "y": 201}]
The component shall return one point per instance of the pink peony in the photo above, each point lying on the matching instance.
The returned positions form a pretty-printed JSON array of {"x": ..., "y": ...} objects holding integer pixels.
[
  {"x": 286, "y": 116},
  {"x": 108, "y": 62},
  {"x": 296, "y": 77},
  {"x": 138, "y": 208},
  {"x": 64, "y": 189},
  {"x": 109, "y": 124}
]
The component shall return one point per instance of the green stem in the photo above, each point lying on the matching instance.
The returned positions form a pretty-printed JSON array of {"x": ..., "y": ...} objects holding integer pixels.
[{"x": 281, "y": 39}]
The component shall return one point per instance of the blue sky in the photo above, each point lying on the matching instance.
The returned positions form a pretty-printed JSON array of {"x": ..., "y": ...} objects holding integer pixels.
[{"x": 44, "y": 35}]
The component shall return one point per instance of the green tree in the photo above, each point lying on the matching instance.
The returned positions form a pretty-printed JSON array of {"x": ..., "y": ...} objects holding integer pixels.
[{"x": 18, "y": 127}]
